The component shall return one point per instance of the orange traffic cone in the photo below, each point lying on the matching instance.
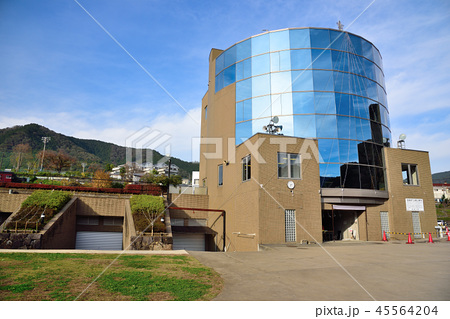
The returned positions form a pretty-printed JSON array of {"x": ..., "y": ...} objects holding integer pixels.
[
  {"x": 384, "y": 236},
  {"x": 409, "y": 239},
  {"x": 446, "y": 230},
  {"x": 430, "y": 239},
  {"x": 448, "y": 236}
]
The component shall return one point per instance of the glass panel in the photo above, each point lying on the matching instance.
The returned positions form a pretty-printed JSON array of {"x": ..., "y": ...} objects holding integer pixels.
[
  {"x": 321, "y": 59},
  {"x": 299, "y": 38},
  {"x": 346, "y": 127},
  {"x": 243, "y": 131},
  {"x": 365, "y": 153},
  {"x": 303, "y": 103},
  {"x": 283, "y": 169},
  {"x": 275, "y": 61},
  {"x": 229, "y": 75},
  {"x": 360, "y": 107},
  {"x": 368, "y": 177},
  {"x": 260, "y": 64},
  {"x": 243, "y": 50},
  {"x": 243, "y": 69},
  {"x": 323, "y": 80},
  {"x": 350, "y": 176},
  {"x": 336, "y": 39},
  {"x": 414, "y": 175},
  {"x": 330, "y": 175},
  {"x": 261, "y": 85},
  {"x": 260, "y": 44},
  {"x": 348, "y": 151},
  {"x": 329, "y": 150},
  {"x": 219, "y": 82},
  {"x": 387, "y": 139},
  {"x": 367, "y": 49},
  {"x": 281, "y": 82},
  {"x": 320, "y": 38},
  {"x": 371, "y": 88},
  {"x": 230, "y": 56},
  {"x": 257, "y": 125},
  {"x": 261, "y": 107},
  {"x": 326, "y": 126},
  {"x": 286, "y": 104},
  {"x": 239, "y": 111},
  {"x": 301, "y": 59},
  {"x": 244, "y": 89},
  {"x": 325, "y": 103},
  {"x": 339, "y": 60},
  {"x": 356, "y": 44},
  {"x": 279, "y": 40},
  {"x": 302, "y": 80},
  {"x": 377, "y": 58},
  {"x": 247, "y": 110},
  {"x": 285, "y": 60},
  {"x": 378, "y": 155},
  {"x": 405, "y": 174},
  {"x": 377, "y": 134},
  {"x": 305, "y": 126},
  {"x": 379, "y": 174},
  {"x": 294, "y": 160},
  {"x": 381, "y": 95},
  {"x": 341, "y": 82},
  {"x": 287, "y": 123},
  {"x": 363, "y": 132},
  {"x": 358, "y": 85},
  {"x": 276, "y": 105},
  {"x": 369, "y": 69},
  {"x": 344, "y": 104},
  {"x": 219, "y": 63}
]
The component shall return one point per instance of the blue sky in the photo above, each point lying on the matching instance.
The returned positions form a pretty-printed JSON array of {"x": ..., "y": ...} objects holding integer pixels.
[{"x": 60, "y": 69}]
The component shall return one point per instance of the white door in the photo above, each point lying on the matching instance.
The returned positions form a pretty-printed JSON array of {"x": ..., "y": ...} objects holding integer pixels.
[
  {"x": 93, "y": 240},
  {"x": 189, "y": 242}
]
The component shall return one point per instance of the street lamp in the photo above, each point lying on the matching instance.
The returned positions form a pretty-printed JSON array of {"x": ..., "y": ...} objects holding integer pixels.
[{"x": 45, "y": 139}]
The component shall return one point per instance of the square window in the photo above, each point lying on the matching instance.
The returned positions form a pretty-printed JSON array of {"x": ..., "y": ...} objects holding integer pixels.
[
  {"x": 288, "y": 165},
  {"x": 410, "y": 174}
]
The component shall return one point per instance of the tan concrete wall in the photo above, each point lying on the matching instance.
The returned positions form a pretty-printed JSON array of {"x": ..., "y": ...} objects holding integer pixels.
[
  {"x": 11, "y": 202},
  {"x": 101, "y": 205},
  {"x": 60, "y": 232},
  {"x": 400, "y": 219},
  {"x": 189, "y": 200},
  {"x": 128, "y": 226}
]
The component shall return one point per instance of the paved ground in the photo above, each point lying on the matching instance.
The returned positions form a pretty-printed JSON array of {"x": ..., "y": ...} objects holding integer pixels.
[{"x": 370, "y": 270}]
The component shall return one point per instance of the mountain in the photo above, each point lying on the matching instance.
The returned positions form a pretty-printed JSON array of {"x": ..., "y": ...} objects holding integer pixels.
[
  {"x": 441, "y": 178},
  {"x": 88, "y": 151}
]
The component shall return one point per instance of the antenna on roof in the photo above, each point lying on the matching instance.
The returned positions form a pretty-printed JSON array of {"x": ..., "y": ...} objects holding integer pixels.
[
  {"x": 340, "y": 25},
  {"x": 401, "y": 141}
]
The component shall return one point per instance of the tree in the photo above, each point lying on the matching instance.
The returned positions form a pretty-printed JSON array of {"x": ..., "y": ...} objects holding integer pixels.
[
  {"x": 101, "y": 179},
  {"x": 21, "y": 152},
  {"x": 58, "y": 160},
  {"x": 154, "y": 178}
]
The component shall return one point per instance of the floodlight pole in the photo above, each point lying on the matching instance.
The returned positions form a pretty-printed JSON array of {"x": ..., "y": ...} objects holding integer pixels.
[{"x": 45, "y": 139}]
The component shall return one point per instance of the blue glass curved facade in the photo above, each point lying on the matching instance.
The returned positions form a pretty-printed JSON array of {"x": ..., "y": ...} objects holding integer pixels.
[{"x": 321, "y": 83}]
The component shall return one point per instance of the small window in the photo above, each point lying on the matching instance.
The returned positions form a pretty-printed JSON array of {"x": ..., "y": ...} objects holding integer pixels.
[
  {"x": 409, "y": 174},
  {"x": 220, "y": 175},
  {"x": 87, "y": 220},
  {"x": 288, "y": 165},
  {"x": 206, "y": 112},
  {"x": 112, "y": 221},
  {"x": 246, "y": 168}
]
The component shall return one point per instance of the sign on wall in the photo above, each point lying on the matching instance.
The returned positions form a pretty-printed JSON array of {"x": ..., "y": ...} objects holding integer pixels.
[{"x": 414, "y": 204}]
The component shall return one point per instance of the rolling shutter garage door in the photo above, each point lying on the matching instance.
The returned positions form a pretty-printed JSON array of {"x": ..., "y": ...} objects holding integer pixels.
[
  {"x": 189, "y": 242},
  {"x": 92, "y": 240}
]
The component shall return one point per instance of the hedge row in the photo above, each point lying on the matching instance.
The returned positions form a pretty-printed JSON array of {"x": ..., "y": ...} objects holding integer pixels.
[
  {"x": 47, "y": 199},
  {"x": 129, "y": 189}
]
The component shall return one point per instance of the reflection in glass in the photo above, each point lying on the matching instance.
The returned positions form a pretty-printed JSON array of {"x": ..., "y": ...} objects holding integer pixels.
[
  {"x": 325, "y": 103},
  {"x": 243, "y": 50},
  {"x": 302, "y": 80},
  {"x": 305, "y": 126},
  {"x": 301, "y": 59},
  {"x": 243, "y": 131},
  {"x": 281, "y": 82},
  {"x": 330, "y": 175},
  {"x": 329, "y": 151},
  {"x": 260, "y": 64},
  {"x": 260, "y": 44},
  {"x": 320, "y": 38},
  {"x": 299, "y": 38},
  {"x": 261, "y": 85},
  {"x": 326, "y": 126},
  {"x": 321, "y": 59},
  {"x": 303, "y": 102},
  {"x": 323, "y": 80},
  {"x": 261, "y": 107},
  {"x": 244, "y": 89},
  {"x": 279, "y": 40}
]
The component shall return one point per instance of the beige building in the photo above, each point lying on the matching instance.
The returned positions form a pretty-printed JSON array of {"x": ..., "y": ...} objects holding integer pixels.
[{"x": 278, "y": 189}]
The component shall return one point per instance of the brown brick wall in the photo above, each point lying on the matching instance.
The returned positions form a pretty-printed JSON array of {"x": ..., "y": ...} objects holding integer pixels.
[{"x": 400, "y": 219}]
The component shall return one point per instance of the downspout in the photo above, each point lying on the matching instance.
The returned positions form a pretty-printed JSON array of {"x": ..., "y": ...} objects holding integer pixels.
[
  {"x": 367, "y": 231},
  {"x": 224, "y": 231}
]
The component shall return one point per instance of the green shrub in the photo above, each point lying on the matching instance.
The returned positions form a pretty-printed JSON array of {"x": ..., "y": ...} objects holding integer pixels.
[
  {"x": 47, "y": 199},
  {"x": 146, "y": 210}
]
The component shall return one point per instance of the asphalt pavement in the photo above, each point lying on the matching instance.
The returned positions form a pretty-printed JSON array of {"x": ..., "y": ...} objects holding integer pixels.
[{"x": 335, "y": 271}]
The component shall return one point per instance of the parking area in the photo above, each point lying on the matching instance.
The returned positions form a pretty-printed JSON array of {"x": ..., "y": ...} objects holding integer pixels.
[{"x": 336, "y": 271}]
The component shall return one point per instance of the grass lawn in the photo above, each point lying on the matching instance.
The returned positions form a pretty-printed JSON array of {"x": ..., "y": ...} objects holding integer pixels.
[{"x": 48, "y": 276}]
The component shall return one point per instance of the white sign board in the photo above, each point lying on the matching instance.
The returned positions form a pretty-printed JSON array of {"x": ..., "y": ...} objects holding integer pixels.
[{"x": 414, "y": 204}]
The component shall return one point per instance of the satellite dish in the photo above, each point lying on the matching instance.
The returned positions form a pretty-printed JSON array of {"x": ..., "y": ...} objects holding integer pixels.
[
  {"x": 290, "y": 185},
  {"x": 265, "y": 128},
  {"x": 275, "y": 119},
  {"x": 402, "y": 137}
]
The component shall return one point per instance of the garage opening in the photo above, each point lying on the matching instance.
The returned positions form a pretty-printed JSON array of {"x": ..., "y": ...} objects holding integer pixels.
[
  {"x": 99, "y": 233},
  {"x": 4, "y": 216},
  {"x": 341, "y": 222},
  {"x": 196, "y": 238}
]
